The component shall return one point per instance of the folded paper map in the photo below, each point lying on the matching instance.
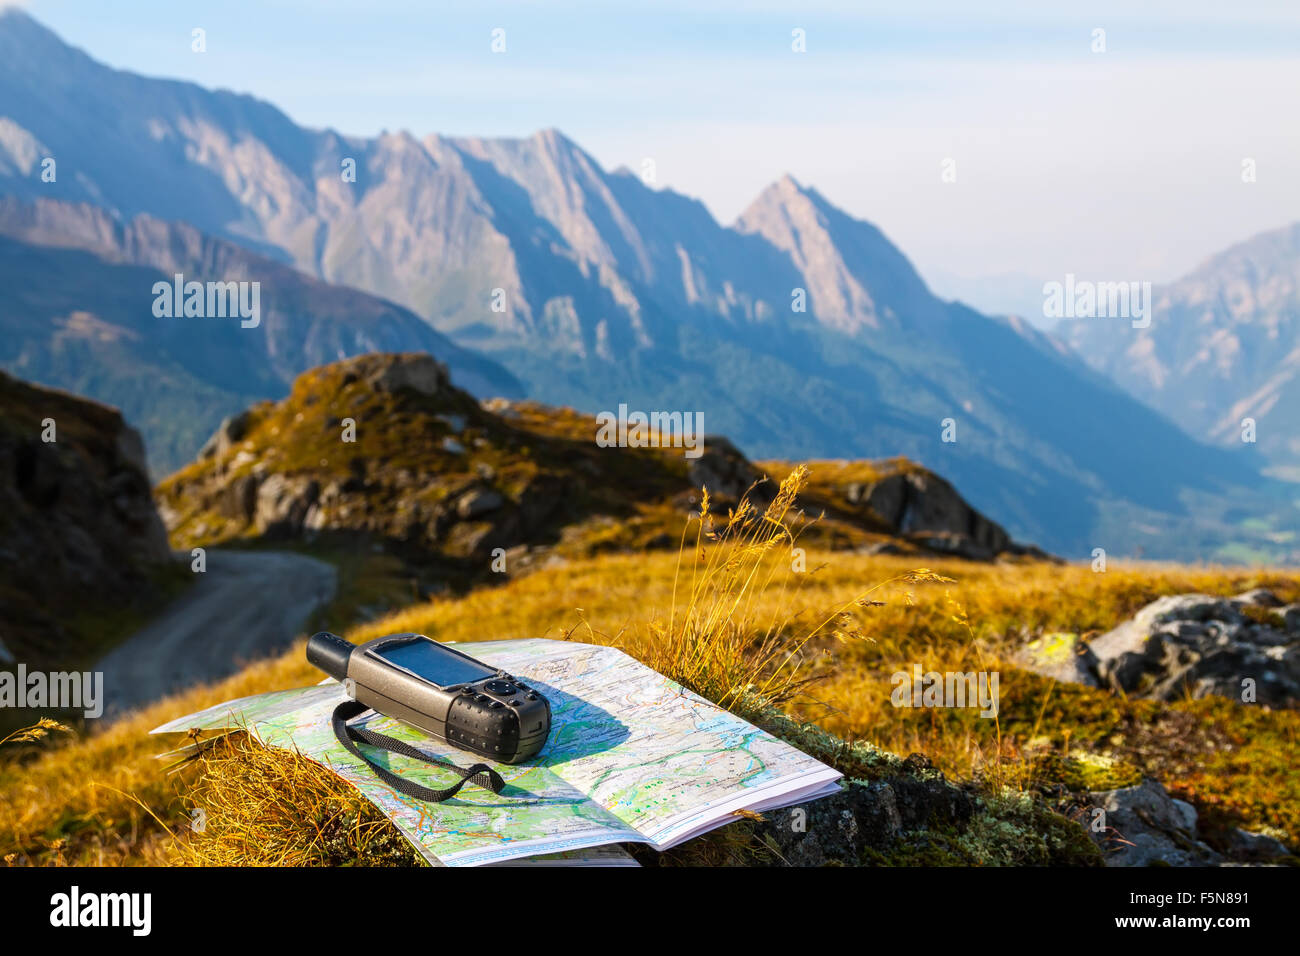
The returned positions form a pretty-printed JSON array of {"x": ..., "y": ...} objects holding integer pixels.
[{"x": 632, "y": 758}]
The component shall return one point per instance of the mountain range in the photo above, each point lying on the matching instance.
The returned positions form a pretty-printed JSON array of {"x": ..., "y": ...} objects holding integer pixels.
[
  {"x": 799, "y": 331},
  {"x": 78, "y": 314},
  {"x": 1223, "y": 346}
]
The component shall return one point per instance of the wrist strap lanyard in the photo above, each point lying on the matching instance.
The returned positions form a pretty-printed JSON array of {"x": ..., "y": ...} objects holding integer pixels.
[{"x": 480, "y": 773}]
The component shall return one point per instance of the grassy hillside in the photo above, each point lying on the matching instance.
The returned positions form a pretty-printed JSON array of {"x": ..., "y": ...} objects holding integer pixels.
[
  {"x": 105, "y": 799},
  {"x": 357, "y": 458},
  {"x": 794, "y": 612}
]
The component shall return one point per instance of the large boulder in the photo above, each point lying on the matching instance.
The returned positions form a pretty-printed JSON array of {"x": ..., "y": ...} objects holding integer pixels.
[
  {"x": 1182, "y": 644},
  {"x": 1199, "y": 644},
  {"x": 725, "y": 472},
  {"x": 927, "y": 510},
  {"x": 417, "y": 371}
]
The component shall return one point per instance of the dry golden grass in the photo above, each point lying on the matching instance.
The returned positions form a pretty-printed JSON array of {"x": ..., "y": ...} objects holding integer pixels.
[
  {"x": 1230, "y": 760},
  {"x": 734, "y": 631},
  {"x": 738, "y": 611},
  {"x": 104, "y": 799},
  {"x": 271, "y": 807}
]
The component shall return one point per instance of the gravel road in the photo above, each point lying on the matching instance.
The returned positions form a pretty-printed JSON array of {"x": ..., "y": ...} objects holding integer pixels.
[{"x": 247, "y": 605}]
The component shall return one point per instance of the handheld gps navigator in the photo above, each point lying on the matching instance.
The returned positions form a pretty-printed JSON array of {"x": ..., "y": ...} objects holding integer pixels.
[{"x": 443, "y": 691}]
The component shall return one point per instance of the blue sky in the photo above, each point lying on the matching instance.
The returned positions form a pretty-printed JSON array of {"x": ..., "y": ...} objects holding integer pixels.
[{"x": 1122, "y": 164}]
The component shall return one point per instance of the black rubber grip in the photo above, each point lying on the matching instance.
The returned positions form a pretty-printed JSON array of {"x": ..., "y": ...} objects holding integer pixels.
[{"x": 330, "y": 653}]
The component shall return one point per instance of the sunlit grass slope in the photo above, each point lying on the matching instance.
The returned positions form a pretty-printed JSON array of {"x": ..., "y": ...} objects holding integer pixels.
[{"x": 746, "y": 620}]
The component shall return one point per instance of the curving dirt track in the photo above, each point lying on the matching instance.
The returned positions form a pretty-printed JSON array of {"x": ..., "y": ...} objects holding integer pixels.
[{"x": 245, "y": 606}]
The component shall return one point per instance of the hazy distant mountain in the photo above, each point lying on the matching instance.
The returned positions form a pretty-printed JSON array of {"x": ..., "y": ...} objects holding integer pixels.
[
  {"x": 78, "y": 313},
  {"x": 1223, "y": 346},
  {"x": 800, "y": 331}
]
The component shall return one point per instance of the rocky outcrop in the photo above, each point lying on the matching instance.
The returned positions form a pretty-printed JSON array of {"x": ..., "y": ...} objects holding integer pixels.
[
  {"x": 79, "y": 525},
  {"x": 725, "y": 471},
  {"x": 1245, "y": 648},
  {"x": 1142, "y": 825},
  {"x": 385, "y": 447},
  {"x": 420, "y": 373},
  {"x": 381, "y": 446},
  {"x": 918, "y": 505},
  {"x": 1248, "y": 847},
  {"x": 864, "y": 816},
  {"x": 230, "y": 431}
]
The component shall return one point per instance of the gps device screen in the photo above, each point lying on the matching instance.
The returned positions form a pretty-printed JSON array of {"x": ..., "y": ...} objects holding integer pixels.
[{"x": 426, "y": 659}]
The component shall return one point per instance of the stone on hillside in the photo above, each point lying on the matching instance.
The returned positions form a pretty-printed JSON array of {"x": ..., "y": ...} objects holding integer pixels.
[
  {"x": 540, "y": 499},
  {"x": 882, "y": 547},
  {"x": 930, "y": 512},
  {"x": 1255, "y": 847},
  {"x": 283, "y": 503},
  {"x": 80, "y": 528},
  {"x": 419, "y": 372},
  {"x": 1147, "y": 827},
  {"x": 130, "y": 449},
  {"x": 230, "y": 432},
  {"x": 952, "y": 543},
  {"x": 1061, "y": 656},
  {"x": 725, "y": 471},
  {"x": 1190, "y": 643},
  {"x": 238, "y": 499}
]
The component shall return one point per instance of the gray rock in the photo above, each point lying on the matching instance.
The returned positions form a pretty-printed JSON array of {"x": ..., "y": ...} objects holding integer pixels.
[
  {"x": 417, "y": 371},
  {"x": 238, "y": 499},
  {"x": 230, "y": 432},
  {"x": 1259, "y": 597},
  {"x": 930, "y": 512},
  {"x": 1255, "y": 847},
  {"x": 80, "y": 528},
  {"x": 130, "y": 448},
  {"x": 951, "y": 543},
  {"x": 1185, "y": 814},
  {"x": 1061, "y": 656},
  {"x": 725, "y": 472},
  {"x": 1198, "y": 644},
  {"x": 862, "y": 816},
  {"x": 283, "y": 503},
  {"x": 1145, "y": 827}
]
